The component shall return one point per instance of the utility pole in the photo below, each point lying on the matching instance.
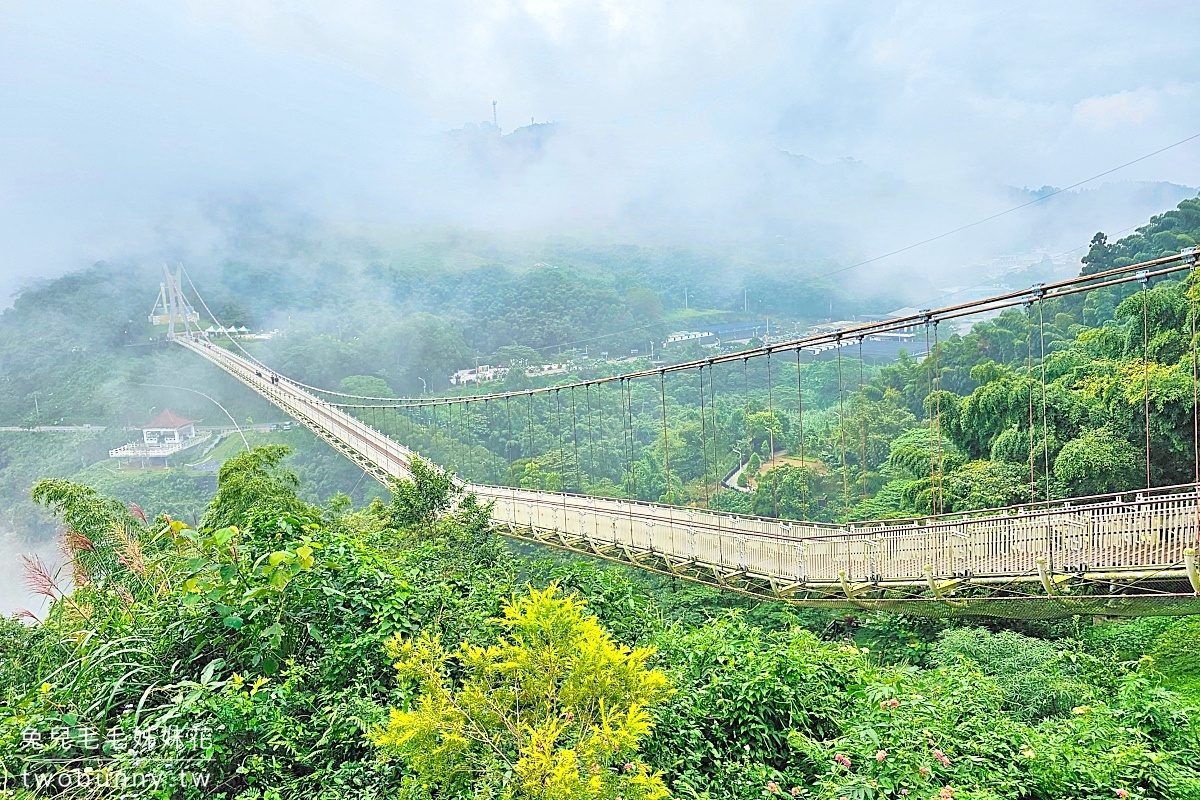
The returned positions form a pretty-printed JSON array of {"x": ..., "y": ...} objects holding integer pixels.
[
  {"x": 685, "y": 300},
  {"x": 36, "y": 409},
  {"x": 745, "y": 300}
]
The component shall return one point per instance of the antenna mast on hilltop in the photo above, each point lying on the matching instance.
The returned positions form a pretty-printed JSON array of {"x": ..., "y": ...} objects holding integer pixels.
[{"x": 494, "y": 122}]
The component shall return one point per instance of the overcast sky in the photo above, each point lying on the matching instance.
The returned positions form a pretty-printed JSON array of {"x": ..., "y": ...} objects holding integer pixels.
[{"x": 119, "y": 122}]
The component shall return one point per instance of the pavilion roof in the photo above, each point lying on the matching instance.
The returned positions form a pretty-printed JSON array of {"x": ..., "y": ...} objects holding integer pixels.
[{"x": 167, "y": 420}]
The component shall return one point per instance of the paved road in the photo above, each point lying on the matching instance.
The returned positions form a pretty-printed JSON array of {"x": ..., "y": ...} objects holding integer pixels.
[
  {"x": 258, "y": 426},
  {"x": 53, "y": 428}
]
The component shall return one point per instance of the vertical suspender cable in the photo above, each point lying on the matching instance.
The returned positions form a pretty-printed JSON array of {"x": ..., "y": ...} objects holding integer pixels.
[
  {"x": 1146, "y": 366},
  {"x": 633, "y": 449},
  {"x": 746, "y": 405},
  {"x": 746, "y": 413},
  {"x": 562, "y": 454},
  {"x": 1195, "y": 377},
  {"x": 530, "y": 396},
  {"x": 842, "y": 426},
  {"x": 450, "y": 441},
  {"x": 433, "y": 413},
  {"x": 467, "y": 460},
  {"x": 628, "y": 400},
  {"x": 1191, "y": 284},
  {"x": 712, "y": 411},
  {"x": 575, "y": 439},
  {"x": 862, "y": 419},
  {"x": 600, "y": 422},
  {"x": 771, "y": 440},
  {"x": 929, "y": 419},
  {"x": 662, "y": 389},
  {"x": 800, "y": 431},
  {"x": 508, "y": 442},
  {"x": 1029, "y": 384},
  {"x": 491, "y": 426},
  {"x": 704, "y": 439},
  {"x": 587, "y": 398},
  {"x": 1045, "y": 418},
  {"x": 939, "y": 495}
]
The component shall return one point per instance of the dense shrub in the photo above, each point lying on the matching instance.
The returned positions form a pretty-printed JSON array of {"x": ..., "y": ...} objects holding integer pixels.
[{"x": 267, "y": 631}]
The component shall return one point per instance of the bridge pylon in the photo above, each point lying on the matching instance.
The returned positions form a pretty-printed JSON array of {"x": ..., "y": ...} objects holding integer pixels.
[{"x": 172, "y": 307}]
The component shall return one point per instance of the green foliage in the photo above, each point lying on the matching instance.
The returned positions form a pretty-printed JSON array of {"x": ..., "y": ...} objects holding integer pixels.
[
  {"x": 419, "y": 501},
  {"x": 366, "y": 386},
  {"x": 1096, "y": 462},
  {"x": 555, "y": 709},
  {"x": 1036, "y": 678},
  {"x": 758, "y": 713},
  {"x": 273, "y": 632},
  {"x": 254, "y": 491},
  {"x": 1174, "y": 652},
  {"x": 268, "y": 634},
  {"x": 101, "y": 536}
]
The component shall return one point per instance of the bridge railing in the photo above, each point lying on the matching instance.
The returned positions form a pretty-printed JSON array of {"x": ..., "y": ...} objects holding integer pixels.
[{"x": 1096, "y": 539}]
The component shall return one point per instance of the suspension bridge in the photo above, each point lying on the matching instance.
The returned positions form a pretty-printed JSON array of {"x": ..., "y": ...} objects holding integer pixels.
[{"x": 1126, "y": 554}]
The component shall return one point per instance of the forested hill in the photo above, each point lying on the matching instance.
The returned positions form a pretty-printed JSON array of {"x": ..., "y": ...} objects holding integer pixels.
[
  {"x": 70, "y": 348},
  {"x": 352, "y": 306},
  {"x": 79, "y": 350}
]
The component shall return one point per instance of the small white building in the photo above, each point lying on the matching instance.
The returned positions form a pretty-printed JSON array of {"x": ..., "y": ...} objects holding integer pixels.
[
  {"x": 168, "y": 428},
  {"x": 484, "y": 373},
  {"x": 162, "y": 437},
  {"x": 543, "y": 370}
]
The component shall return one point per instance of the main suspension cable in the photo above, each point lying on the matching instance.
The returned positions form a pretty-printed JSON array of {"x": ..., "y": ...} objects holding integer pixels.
[{"x": 1080, "y": 283}]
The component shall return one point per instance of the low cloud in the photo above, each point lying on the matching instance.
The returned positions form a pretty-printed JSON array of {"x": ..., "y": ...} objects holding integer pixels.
[{"x": 682, "y": 122}]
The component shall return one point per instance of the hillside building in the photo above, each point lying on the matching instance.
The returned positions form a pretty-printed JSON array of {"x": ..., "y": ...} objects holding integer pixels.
[{"x": 162, "y": 437}]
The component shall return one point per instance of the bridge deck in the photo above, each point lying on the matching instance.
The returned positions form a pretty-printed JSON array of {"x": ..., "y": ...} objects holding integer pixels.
[{"x": 1137, "y": 545}]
